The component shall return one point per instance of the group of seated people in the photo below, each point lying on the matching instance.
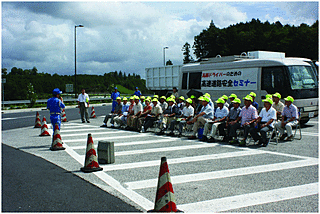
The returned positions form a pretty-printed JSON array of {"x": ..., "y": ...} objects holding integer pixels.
[{"x": 141, "y": 113}]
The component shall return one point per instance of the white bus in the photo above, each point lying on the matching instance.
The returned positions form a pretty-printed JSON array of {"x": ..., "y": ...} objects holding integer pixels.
[{"x": 262, "y": 72}]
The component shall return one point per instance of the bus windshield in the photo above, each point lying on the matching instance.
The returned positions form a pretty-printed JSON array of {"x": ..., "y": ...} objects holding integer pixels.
[{"x": 302, "y": 77}]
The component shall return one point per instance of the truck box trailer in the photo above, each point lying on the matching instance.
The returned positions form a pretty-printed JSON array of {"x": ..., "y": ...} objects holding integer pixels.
[{"x": 262, "y": 72}]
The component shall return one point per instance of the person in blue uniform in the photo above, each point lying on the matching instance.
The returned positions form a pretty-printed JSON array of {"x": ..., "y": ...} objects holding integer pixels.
[
  {"x": 114, "y": 96},
  {"x": 137, "y": 92},
  {"x": 55, "y": 105}
]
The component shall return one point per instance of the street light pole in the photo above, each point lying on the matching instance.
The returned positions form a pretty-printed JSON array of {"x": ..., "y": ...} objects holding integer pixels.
[
  {"x": 75, "y": 59},
  {"x": 164, "y": 55}
]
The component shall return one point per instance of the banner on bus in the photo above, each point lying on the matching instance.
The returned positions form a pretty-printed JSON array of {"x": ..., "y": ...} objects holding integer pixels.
[{"x": 233, "y": 79}]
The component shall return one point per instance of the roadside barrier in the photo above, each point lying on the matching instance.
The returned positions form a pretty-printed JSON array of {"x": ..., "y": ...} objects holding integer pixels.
[
  {"x": 165, "y": 199},
  {"x": 91, "y": 162}
]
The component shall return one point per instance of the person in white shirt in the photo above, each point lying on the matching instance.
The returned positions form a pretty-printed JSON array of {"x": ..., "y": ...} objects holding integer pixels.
[
  {"x": 137, "y": 110},
  {"x": 264, "y": 123},
  {"x": 187, "y": 114},
  {"x": 220, "y": 115},
  {"x": 83, "y": 104}
]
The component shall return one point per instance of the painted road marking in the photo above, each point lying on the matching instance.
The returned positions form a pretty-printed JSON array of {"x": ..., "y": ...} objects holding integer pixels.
[
  {"x": 133, "y": 143},
  {"x": 224, "y": 173},
  {"x": 251, "y": 199},
  {"x": 105, "y": 138},
  {"x": 15, "y": 118},
  {"x": 181, "y": 160}
]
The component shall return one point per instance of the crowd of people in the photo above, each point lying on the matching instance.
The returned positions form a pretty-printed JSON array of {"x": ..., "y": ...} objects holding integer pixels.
[{"x": 139, "y": 113}]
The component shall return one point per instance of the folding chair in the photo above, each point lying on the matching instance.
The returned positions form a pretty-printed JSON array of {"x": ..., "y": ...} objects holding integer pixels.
[{"x": 298, "y": 127}]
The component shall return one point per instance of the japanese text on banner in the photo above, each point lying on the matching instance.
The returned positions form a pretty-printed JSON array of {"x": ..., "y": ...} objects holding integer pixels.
[{"x": 233, "y": 79}]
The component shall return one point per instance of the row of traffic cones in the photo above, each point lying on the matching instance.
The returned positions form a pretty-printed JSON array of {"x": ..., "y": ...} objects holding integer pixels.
[{"x": 165, "y": 200}]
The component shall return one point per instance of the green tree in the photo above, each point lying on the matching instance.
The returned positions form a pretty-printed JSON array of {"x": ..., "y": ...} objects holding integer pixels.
[{"x": 186, "y": 53}]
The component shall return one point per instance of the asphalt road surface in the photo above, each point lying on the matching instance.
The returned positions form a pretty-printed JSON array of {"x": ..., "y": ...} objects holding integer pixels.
[{"x": 206, "y": 177}]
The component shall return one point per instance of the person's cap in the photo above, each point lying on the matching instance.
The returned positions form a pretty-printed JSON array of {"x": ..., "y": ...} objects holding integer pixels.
[
  {"x": 269, "y": 96},
  {"x": 56, "y": 91},
  {"x": 248, "y": 97},
  {"x": 189, "y": 100},
  {"x": 277, "y": 95},
  {"x": 163, "y": 97},
  {"x": 237, "y": 100},
  {"x": 142, "y": 97},
  {"x": 156, "y": 96},
  {"x": 172, "y": 96},
  {"x": 182, "y": 98},
  {"x": 268, "y": 100},
  {"x": 192, "y": 96},
  {"x": 147, "y": 100},
  {"x": 207, "y": 95},
  {"x": 115, "y": 88},
  {"x": 132, "y": 98},
  {"x": 171, "y": 100},
  {"x": 200, "y": 98},
  {"x": 220, "y": 100},
  {"x": 136, "y": 97},
  {"x": 233, "y": 96},
  {"x": 136, "y": 87},
  {"x": 154, "y": 100},
  {"x": 289, "y": 98},
  {"x": 118, "y": 98},
  {"x": 124, "y": 98},
  {"x": 149, "y": 97},
  {"x": 206, "y": 99},
  {"x": 253, "y": 94},
  {"x": 224, "y": 97}
]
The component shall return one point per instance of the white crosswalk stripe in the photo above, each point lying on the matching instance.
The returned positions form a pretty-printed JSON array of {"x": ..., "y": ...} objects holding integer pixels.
[{"x": 137, "y": 154}]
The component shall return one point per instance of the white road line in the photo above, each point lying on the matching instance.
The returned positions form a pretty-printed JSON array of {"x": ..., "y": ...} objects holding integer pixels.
[
  {"x": 80, "y": 133},
  {"x": 165, "y": 149},
  {"x": 110, "y": 138},
  {"x": 133, "y": 143},
  {"x": 15, "y": 118},
  {"x": 313, "y": 121},
  {"x": 251, "y": 199},
  {"x": 133, "y": 196},
  {"x": 224, "y": 173},
  {"x": 181, "y": 160},
  {"x": 84, "y": 129},
  {"x": 308, "y": 134}
]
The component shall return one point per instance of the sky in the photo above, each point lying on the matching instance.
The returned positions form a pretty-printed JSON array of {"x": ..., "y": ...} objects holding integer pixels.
[{"x": 126, "y": 36}]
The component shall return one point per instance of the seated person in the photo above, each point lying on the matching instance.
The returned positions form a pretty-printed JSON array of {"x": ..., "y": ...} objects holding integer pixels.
[
  {"x": 133, "y": 117},
  {"x": 144, "y": 114},
  {"x": 154, "y": 115},
  {"x": 180, "y": 103},
  {"x": 232, "y": 116},
  {"x": 163, "y": 104},
  {"x": 187, "y": 114},
  {"x": 290, "y": 118},
  {"x": 220, "y": 115},
  {"x": 254, "y": 103},
  {"x": 117, "y": 111},
  {"x": 277, "y": 104},
  {"x": 168, "y": 115},
  {"x": 231, "y": 98},
  {"x": 225, "y": 98},
  {"x": 204, "y": 116},
  {"x": 264, "y": 123},
  {"x": 247, "y": 116},
  {"x": 121, "y": 118}
]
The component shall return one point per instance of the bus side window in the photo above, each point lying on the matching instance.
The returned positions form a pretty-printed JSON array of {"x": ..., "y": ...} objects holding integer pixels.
[
  {"x": 184, "y": 80},
  {"x": 195, "y": 80},
  {"x": 273, "y": 80}
]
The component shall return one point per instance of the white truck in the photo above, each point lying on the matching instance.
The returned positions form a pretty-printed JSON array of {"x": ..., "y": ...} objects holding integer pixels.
[{"x": 263, "y": 72}]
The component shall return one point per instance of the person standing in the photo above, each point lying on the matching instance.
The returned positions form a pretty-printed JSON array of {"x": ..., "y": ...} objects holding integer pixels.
[
  {"x": 55, "y": 105},
  {"x": 114, "y": 96},
  {"x": 83, "y": 104},
  {"x": 137, "y": 92},
  {"x": 175, "y": 93}
]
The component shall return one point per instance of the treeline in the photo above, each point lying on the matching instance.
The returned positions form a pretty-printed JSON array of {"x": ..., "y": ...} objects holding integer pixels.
[
  {"x": 301, "y": 41},
  {"x": 17, "y": 86}
]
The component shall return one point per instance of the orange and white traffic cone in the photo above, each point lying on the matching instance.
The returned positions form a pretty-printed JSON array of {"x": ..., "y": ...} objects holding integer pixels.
[
  {"x": 93, "y": 113},
  {"x": 44, "y": 128},
  {"x": 165, "y": 200},
  {"x": 56, "y": 140},
  {"x": 91, "y": 162},
  {"x": 64, "y": 117},
  {"x": 38, "y": 121}
]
